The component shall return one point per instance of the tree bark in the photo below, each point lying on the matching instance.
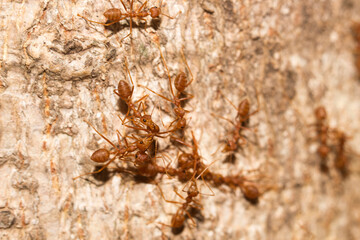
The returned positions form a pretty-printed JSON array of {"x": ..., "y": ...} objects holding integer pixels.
[{"x": 286, "y": 57}]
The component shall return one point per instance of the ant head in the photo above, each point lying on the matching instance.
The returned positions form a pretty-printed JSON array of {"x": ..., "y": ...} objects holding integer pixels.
[
  {"x": 144, "y": 143},
  {"x": 320, "y": 113},
  {"x": 155, "y": 12},
  {"x": 230, "y": 146},
  {"x": 146, "y": 119}
]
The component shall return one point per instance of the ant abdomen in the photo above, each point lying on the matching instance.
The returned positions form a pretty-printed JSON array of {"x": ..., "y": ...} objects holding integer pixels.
[
  {"x": 124, "y": 90},
  {"x": 251, "y": 192},
  {"x": 101, "y": 155},
  {"x": 178, "y": 220},
  {"x": 181, "y": 82},
  {"x": 244, "y": 108},
  {"x": 113, "y": 14}
]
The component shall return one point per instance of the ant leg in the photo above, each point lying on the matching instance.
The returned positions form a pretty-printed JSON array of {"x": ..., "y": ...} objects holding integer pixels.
[
  {"x": 142, "y": 6},
  {"x": 164, "y": 224},
  {"x": 191, "y": 218},
  {"x": 105, "y": 24},
  {"x": 190, "y": 96},
  {"x": 112, "y": 5},
  {"x": 124, "y": 5},
  {"x": 136, "y": 128},
  {"x": 125, "y": 36},
  {"x": 142, "y": 98},
  {"x": 166, "y": 14},
  {"x": 107, "y": 164},
  {"x": 228, "y": 100},
  {"x": 127, "y": 69},
  {"x": 167, "y": 70},
  {"x": 165, "y": 166},
  {"x": 179, "y": 194},
  {"x": 101, "y": 135},
  {"x": 156, "y": 93},
  {"x": 181, "y": 141},
  {"x": 173, "y": 123},
  {"x": 208, "y": 186},
  {"x": 223, "y": 118},
  {"x": 188, "y": 68},
  {"x": 169, "y": 16},
  {"x": 162, "y": 195}
]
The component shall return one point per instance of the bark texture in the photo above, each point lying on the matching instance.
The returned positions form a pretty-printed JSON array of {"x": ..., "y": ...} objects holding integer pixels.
[{"x": 285, "y": 56}]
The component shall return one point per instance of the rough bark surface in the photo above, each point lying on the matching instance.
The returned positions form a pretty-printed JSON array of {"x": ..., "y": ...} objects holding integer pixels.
[{"x": 58, "y": 70}]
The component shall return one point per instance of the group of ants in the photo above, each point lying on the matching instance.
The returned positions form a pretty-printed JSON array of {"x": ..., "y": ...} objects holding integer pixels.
[{"x": 136, "y": 150}]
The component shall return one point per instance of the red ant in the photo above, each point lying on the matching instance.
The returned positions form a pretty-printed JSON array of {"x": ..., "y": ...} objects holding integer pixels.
[
  {"x": 241, "y": 121},
  {"x": 125, "y": 92},
  {"x": 181, "y": 83},
  {"x": 102, "y": 155},
  {"x": 115, "y": 15},
  {"x": 188, "y": 161},
  {"x": 178, "y": 219}
]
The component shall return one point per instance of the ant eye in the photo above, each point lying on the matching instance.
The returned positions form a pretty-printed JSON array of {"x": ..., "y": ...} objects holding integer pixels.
[
  {"x": 144, "y": 120},
  {"x": 141, "y": 142}
]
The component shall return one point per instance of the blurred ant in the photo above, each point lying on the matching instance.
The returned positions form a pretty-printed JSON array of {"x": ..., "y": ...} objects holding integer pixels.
[
  {"x": 356, "y": 35},
  {"x": 115, "y": 15},
  {"x": 322, "y": 131},
  {"x": 341, "y": 161},
  {"x": 181, "y": 83}
]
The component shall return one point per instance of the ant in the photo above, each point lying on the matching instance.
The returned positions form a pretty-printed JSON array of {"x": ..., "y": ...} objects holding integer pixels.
[
  {"x": 322, "y": 130},
  {"x": 125, "y": 92},
  {"x": 356, "y": 35},
  {"x": 241, "y": 122},
  {"x": 188, "y": 161},
  {"x": 341, "y": 159},
  {"x": 250, "y": 190},
  {"x": 181, "y": 83},
  {"x": 178, "y": 219},
  {"x": 115, "y": 15},
  {"x": 102, "y": 155}
]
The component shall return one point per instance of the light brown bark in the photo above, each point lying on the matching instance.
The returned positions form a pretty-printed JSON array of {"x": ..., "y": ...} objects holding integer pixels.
[{"x": 58, "y": 70}]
